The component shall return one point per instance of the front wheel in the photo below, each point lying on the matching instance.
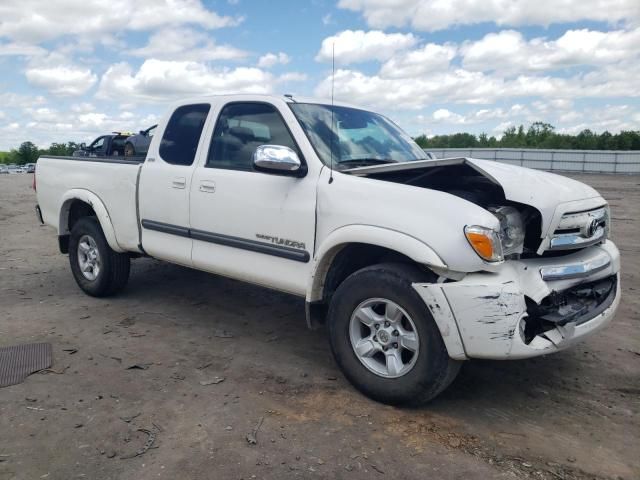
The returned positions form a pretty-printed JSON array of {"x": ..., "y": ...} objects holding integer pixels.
[
  {"x": 384, "y": 338},
  {"x": 97, "y": 269}
]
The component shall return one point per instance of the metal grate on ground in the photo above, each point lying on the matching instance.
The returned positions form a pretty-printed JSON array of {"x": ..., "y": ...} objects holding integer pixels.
[{"x": 20, "y": 361}]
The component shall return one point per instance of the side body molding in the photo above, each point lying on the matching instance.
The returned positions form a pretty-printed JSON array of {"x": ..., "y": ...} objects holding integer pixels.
[
  {"x": 407, "y": 245},
  {"x": 98, "y": 207}
]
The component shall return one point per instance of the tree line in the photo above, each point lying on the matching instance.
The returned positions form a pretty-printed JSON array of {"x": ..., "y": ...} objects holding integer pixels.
[
  {"x": 538, "y": 135},
  {"x": 28, "y": 152}
]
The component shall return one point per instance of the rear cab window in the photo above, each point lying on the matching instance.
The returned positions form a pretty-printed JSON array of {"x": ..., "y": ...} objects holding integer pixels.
[{"x": 180, "y": 139}]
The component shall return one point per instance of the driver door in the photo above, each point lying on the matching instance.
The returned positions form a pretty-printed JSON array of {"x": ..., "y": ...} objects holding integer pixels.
[{"x": 248, "y": 224}]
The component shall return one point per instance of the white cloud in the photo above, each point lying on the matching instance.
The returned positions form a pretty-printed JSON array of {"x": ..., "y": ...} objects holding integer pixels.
[
  {"x": 612, "y": 118},
  {"x": 186, "y": 44},
  {"x": 62, "y": 80},
  {"x": 499, "y": 66},
  {"x": 43, "y": 114},
  {"x": 16, "y": 100},
  {"x": 413, "y": 92},
  {"x": 13, "y": 48},
  {"x": 431, "y": 15},
  {"x": 268, "y": 60},
  {"x": 360, "y": 46},
  {"x": 445, "y": 116},
  {"x": 292, "y": 77},
  {"x": 508, "y": 50},
  {"x": 165, "y": 80},
  {"x": 82, "y": 107},
  {"x": 35, "y": 21},
  {"x": 92, "y": 120},
  {"x": 473, "y": 87},
  {"x": 428, "y": 58}
]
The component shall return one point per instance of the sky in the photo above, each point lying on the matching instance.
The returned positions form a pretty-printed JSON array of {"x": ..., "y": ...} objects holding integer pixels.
[{"x": 75, "y": 69}]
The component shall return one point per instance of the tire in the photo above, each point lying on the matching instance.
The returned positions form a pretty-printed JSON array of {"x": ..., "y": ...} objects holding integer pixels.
[
  {"x": 129, "y": 150},
  {"x": 111, "y": 271},
  {"x": 430, "y": 369}
]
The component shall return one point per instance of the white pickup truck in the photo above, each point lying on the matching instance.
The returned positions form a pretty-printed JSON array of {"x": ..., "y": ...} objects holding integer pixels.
[{"x": 414, "y": 264}]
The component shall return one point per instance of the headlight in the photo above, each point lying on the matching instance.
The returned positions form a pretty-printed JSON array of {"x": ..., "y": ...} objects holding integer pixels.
[
  {"x": 485, "y": 242},
  {"x": 511, "y": 230}
]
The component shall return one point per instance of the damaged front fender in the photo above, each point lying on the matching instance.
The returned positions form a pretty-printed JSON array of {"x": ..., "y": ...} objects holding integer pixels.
[
  {"x": 514, "y": 313},
  {"x": 486, "y": 308}
]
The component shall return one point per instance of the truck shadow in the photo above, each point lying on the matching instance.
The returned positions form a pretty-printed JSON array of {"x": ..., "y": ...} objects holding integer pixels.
[{"x": 277, "y": 322}]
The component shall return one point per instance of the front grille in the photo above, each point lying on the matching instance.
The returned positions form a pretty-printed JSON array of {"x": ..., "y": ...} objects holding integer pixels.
[{"x": 580, "y": 229}]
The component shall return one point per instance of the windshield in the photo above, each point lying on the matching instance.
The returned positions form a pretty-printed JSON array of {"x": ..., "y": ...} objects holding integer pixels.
[{"x": 359, "y": 138}]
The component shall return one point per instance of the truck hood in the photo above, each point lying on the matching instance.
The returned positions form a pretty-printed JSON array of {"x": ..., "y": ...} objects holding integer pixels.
[{"x": 542, "y": 190}]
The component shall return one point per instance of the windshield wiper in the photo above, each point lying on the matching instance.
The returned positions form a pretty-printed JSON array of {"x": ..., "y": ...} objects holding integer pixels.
[{"x": 364, "y": 162}]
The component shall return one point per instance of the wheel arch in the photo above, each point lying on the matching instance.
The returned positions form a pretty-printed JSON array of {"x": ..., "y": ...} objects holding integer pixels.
[
  {"x": 383, "y": 245},
  {"x": 78, "y": 203},
  {"x": 357, "y": 237}
]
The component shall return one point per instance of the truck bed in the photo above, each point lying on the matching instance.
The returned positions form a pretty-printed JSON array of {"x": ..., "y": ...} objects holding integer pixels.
[{"x": 113, "y": 180}]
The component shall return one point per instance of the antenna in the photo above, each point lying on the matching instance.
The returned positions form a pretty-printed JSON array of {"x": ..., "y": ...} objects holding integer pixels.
[{"x": 333, "y": 80}]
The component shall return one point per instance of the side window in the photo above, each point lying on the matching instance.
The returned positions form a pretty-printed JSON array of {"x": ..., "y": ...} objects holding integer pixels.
[
  {"x": 98, "y": 144},
  {"x": 243, "y": 127},
  {"x": 180, "y": 139}
]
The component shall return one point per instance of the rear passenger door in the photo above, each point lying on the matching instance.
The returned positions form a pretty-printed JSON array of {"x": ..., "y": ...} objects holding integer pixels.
[
  {"x": 165, "y": 182},
  {"x": 247, "y": 224}
]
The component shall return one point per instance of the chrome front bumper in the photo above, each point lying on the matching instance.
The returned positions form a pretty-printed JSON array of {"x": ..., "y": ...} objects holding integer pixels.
[{"x": 490, "y": 315}]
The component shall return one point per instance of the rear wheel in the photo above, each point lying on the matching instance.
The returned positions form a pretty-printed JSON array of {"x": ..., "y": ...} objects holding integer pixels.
[
  {"x": 97, "y": 269},
  {"x": 384, "y": 338},
  {"x": 129, "y": 150}
]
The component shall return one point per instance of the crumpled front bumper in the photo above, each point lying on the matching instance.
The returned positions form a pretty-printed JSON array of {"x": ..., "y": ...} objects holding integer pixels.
[{"x": 491, "y": 315}]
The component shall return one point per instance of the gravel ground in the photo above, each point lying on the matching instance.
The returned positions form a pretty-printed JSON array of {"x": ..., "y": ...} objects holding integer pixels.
[{"x": 565, "y": 416}]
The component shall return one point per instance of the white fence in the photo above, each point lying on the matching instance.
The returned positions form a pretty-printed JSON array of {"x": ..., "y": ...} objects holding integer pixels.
[{"x": 593, "y": 161}]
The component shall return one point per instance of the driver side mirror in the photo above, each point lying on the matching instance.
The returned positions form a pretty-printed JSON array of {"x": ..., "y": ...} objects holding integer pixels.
[
  {"x": 83, "y": 146},
  {"x": 277, "y": 159}
]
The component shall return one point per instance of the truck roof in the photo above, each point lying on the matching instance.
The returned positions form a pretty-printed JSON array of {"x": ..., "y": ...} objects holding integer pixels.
[{"x": 255, "y": 97}]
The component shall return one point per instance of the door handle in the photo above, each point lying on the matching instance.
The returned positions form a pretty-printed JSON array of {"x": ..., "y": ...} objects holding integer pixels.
[
  {"x": 179, "y": 182},
  {"x": 207, "y": 186}
]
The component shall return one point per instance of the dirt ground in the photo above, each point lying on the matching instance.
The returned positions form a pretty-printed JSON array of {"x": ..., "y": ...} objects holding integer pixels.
[{"x": 565, "y": 416}]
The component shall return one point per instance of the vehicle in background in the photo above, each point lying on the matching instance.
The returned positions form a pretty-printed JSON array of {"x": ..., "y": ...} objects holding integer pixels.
[
  {"x": 4, "y": 169},
  {"x": 413, "y": 264},
  {"x": 104, "y": 146},
  {"x": 30, "y": 167},
  {"x": 16, "y": 169},
  {"x": 139, "y": 144}
]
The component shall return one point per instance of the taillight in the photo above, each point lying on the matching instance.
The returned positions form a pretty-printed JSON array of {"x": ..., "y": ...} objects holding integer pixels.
[{"x": 34, "y": 180}]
